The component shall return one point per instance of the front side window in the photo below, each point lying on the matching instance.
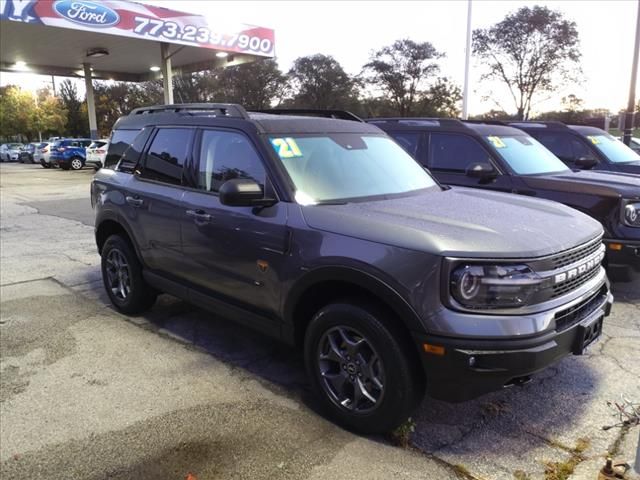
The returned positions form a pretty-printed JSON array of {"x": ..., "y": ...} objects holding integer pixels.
[
  {"x": 129, "y": 159},
  {"x": 348, "y": 166},
  {"x": 167, "y": 155},
  {"x": 525, "y": 155},
  {"x": 613, "y": 149},
  {"x": 408, "y": 140},
  {"x": 455, "y": 153},
  {"x": 225, "y": 156}
]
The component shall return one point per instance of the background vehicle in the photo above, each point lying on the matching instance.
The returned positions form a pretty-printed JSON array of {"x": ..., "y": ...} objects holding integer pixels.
[
  {"x": 342, "y": 244},
  {"x": 10, "y": 152},
  {"x": 96, "y": 153},
  {"x": 496, "y": 157},
  {"x": 41, "y": 155},
  {"x": 583, "y": 147},
  {"x": 26, "y": 154},
  {"x": 70, "y": 153},
  {"x": 635, "y": 144}
]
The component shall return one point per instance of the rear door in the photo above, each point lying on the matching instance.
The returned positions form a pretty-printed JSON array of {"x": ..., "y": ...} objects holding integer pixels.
[
  {"x": 567, "y": 147},
  {"x": 236, "y": 253},
  {"x": 154, "y": 197},
  {"x": 451, "y": 154}
]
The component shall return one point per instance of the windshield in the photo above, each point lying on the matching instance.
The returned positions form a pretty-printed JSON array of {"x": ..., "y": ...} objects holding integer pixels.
[
  {"x": 613, "y": 149},
  {"x": 15, "y": 146},
  {"x": 525, "y": 155},
  {"x": 339, "y": 167}
]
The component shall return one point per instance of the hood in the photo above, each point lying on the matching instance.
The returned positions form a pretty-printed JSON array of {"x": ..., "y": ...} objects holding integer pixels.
[
  {"x": 460, "y": 222},
  {"x": 598, "y": 183}
]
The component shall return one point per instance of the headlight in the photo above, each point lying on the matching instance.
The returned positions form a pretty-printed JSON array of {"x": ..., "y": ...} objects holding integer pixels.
[
  {"x": 631, "y": 213},
  {"x": 493, "y": 286}
]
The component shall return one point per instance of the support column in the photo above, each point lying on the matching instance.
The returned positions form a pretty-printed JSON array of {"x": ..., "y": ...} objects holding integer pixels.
[
  {"x": 91, "y": 105},
  {"x": 167, "y": 74}
]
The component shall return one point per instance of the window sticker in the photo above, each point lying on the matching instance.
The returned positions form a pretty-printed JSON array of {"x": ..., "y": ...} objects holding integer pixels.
[
  {"x": 286, "y": 147},
  {"x": 594, "y": 140},
  {"x": 497, "y": 142}
]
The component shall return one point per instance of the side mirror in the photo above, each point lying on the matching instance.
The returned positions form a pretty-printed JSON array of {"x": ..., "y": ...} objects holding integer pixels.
[
  {"x": 242, "y": 192},
  {"x": 586, "y": 163},
  {"x": 483, "y": 171}
]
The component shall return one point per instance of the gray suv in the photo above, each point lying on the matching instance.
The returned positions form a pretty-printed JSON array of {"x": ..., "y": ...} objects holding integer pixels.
[{"x": 324, "y": 233}]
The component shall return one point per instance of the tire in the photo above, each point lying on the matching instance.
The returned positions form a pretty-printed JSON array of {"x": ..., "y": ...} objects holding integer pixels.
[
  {"x": 122, "y": 277},
  {"x": 45, "y": 164},
  {"x": 369, "y": 352},
  {"x": 76, "y": 163},
  {"x": 64, "y": 166}
]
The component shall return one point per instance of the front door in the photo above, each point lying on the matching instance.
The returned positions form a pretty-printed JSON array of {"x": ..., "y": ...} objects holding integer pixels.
[{"x": 233, "y": 252}]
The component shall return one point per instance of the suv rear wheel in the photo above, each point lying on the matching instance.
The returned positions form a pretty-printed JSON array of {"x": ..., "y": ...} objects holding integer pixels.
[
  {"x": 358, "y": 368},
  {"x": 122, "y": 277}
]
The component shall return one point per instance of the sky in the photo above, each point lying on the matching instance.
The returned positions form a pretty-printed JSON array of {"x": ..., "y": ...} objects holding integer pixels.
[{"x": 351, "y": 30}]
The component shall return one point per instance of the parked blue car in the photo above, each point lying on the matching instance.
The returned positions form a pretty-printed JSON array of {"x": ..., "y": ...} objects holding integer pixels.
[{"x": 70, "y": 153}]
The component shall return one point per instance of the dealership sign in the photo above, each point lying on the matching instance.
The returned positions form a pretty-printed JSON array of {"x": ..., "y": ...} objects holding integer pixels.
[{"x": 136, "y": 20}]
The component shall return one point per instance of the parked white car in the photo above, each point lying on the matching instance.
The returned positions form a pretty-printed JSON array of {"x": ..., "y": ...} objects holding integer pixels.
[
  {"x": 10, "y": 152},
  {"x": 96, "y": 153},
  {"x": 41, "y": 155}
]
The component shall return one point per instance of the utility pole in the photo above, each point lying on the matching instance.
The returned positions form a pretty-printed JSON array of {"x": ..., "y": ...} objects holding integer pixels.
[
  {"x": 631, "y": 107},
  {"x": 467, "y": 56}
]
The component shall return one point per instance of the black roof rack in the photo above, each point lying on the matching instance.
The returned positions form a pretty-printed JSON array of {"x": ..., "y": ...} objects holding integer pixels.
[
  {"x": 488, "y": 122},
  {"x": 224, "y": 109},
  {"x": 337, "y": 114},
  {"x": 536, "y": 123},
  {"x": 449, "y": 122}
]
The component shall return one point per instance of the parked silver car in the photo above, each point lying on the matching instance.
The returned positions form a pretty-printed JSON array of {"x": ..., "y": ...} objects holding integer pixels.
[
  {"x": 41, "y": 155},
  {"x": 10, "y": 152}
]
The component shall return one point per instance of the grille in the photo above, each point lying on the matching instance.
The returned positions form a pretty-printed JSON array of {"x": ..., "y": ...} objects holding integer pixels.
[
  {"x": 574, "y": 283},
  {"x": 569, "y": 317},
  {"x": 572, "y": 256}
]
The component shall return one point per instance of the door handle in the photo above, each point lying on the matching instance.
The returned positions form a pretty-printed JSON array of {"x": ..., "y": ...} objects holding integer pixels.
[
  {"x": 134, "y": 201},
  {"x": 199, "y": 215}
]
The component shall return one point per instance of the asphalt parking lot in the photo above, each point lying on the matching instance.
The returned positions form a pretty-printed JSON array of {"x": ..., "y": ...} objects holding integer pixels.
[{"x": 87, "y": 393}]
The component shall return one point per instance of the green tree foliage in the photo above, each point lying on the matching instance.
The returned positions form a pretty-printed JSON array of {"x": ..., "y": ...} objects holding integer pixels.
[
  {"x": 531, "y": 51},
  {"x": 320, "y": 82},
  {"x": 77, "y": 120},
  {"x": 401, "y": 72},
  {"x": 254, "y": 85},
  {"x": 23, "y": 115},
  {"x": 114, "y": 100}
]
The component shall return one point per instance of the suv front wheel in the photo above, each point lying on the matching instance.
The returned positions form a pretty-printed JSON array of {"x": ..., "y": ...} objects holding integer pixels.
[
  {"x": 122, "y": 277},
  {"x": 358, "y": 368}
]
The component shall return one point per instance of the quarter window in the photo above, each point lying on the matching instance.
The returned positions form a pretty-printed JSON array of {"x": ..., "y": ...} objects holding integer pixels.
[
  {"x": 225, "y": 156},
  {"x": 120, "y": 141},
  {"x": 167, "y": 155},
  {"x": 455, "y": 153}
]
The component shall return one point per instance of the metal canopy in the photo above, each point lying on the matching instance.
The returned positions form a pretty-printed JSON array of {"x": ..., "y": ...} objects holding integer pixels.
[
  {"x": 56, "y": 51},
  {"x": 120, "y": 40}
]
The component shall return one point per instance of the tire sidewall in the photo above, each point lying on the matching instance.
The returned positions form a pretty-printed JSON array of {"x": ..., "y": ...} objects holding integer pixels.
[
  {"x": 73, "y": 160},
  {"x": 398, "y": 395}
]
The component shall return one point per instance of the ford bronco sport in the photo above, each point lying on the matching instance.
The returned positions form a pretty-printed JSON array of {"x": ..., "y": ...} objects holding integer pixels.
[
  {"x": 324, "y": 233},
  {"x": 493, "y": 156}
]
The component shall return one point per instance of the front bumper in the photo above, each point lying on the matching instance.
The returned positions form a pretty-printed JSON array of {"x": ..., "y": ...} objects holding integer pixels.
[
  {"x": 469, "y": 368},
  {"x": 626, "y": 254}
]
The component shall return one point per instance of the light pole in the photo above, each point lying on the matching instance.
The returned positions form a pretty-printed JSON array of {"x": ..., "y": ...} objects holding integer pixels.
[
  {"x": 629, "y": 120},
  {"x": 467, "y": 56}
]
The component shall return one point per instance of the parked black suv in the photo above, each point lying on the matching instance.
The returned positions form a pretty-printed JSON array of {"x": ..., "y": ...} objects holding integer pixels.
[
  {"x": 583, "y": 147},
  {"x": 492, "y": 156},
  {"x": 324, "y": 233}
]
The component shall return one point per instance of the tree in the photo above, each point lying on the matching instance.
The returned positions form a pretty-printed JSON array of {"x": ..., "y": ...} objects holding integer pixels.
[
  {"x": 441, "y": 100},
  {"x": 114, "y": 100},
  {"x": 319, "y": 81},
  {"x": 254, "y": 85},
  {"x": 531, "y": 51},
  {"x": 77, "y": 122},
  {"x": 51, "y": 117},
  {"x": 401, "y": 71}
]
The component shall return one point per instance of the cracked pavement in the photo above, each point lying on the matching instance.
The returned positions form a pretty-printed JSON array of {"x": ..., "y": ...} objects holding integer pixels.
[{"x": 88, "y": 393}]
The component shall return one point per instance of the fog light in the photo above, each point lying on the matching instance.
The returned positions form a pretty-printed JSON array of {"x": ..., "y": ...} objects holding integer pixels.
[{"x": 615, "y": 246}]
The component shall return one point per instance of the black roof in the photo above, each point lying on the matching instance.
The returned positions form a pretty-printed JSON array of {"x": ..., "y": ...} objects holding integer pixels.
[
  {"x": 443, "y": 124},
  {"x": 555, "y": 126},
  {"x": 202, "y": 114}
]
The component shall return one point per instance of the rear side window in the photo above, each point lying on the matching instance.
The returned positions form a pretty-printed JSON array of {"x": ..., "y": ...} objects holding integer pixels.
[
  {"x": 120, "y": 141},
  {"x": 131, "y": 155},
  {"x": 409, "y": 141},
  {"x": 167, "y": 155},
  {"x": 455, "y": 153},
  {"x": 225, "y": 156}
]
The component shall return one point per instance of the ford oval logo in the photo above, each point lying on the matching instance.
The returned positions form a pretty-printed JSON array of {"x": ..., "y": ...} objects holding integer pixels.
[{"x": 86, "y": 13}]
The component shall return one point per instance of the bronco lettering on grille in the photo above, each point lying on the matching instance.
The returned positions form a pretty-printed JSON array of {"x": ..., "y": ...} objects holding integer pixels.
[{"x": 580, "y": 269}]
